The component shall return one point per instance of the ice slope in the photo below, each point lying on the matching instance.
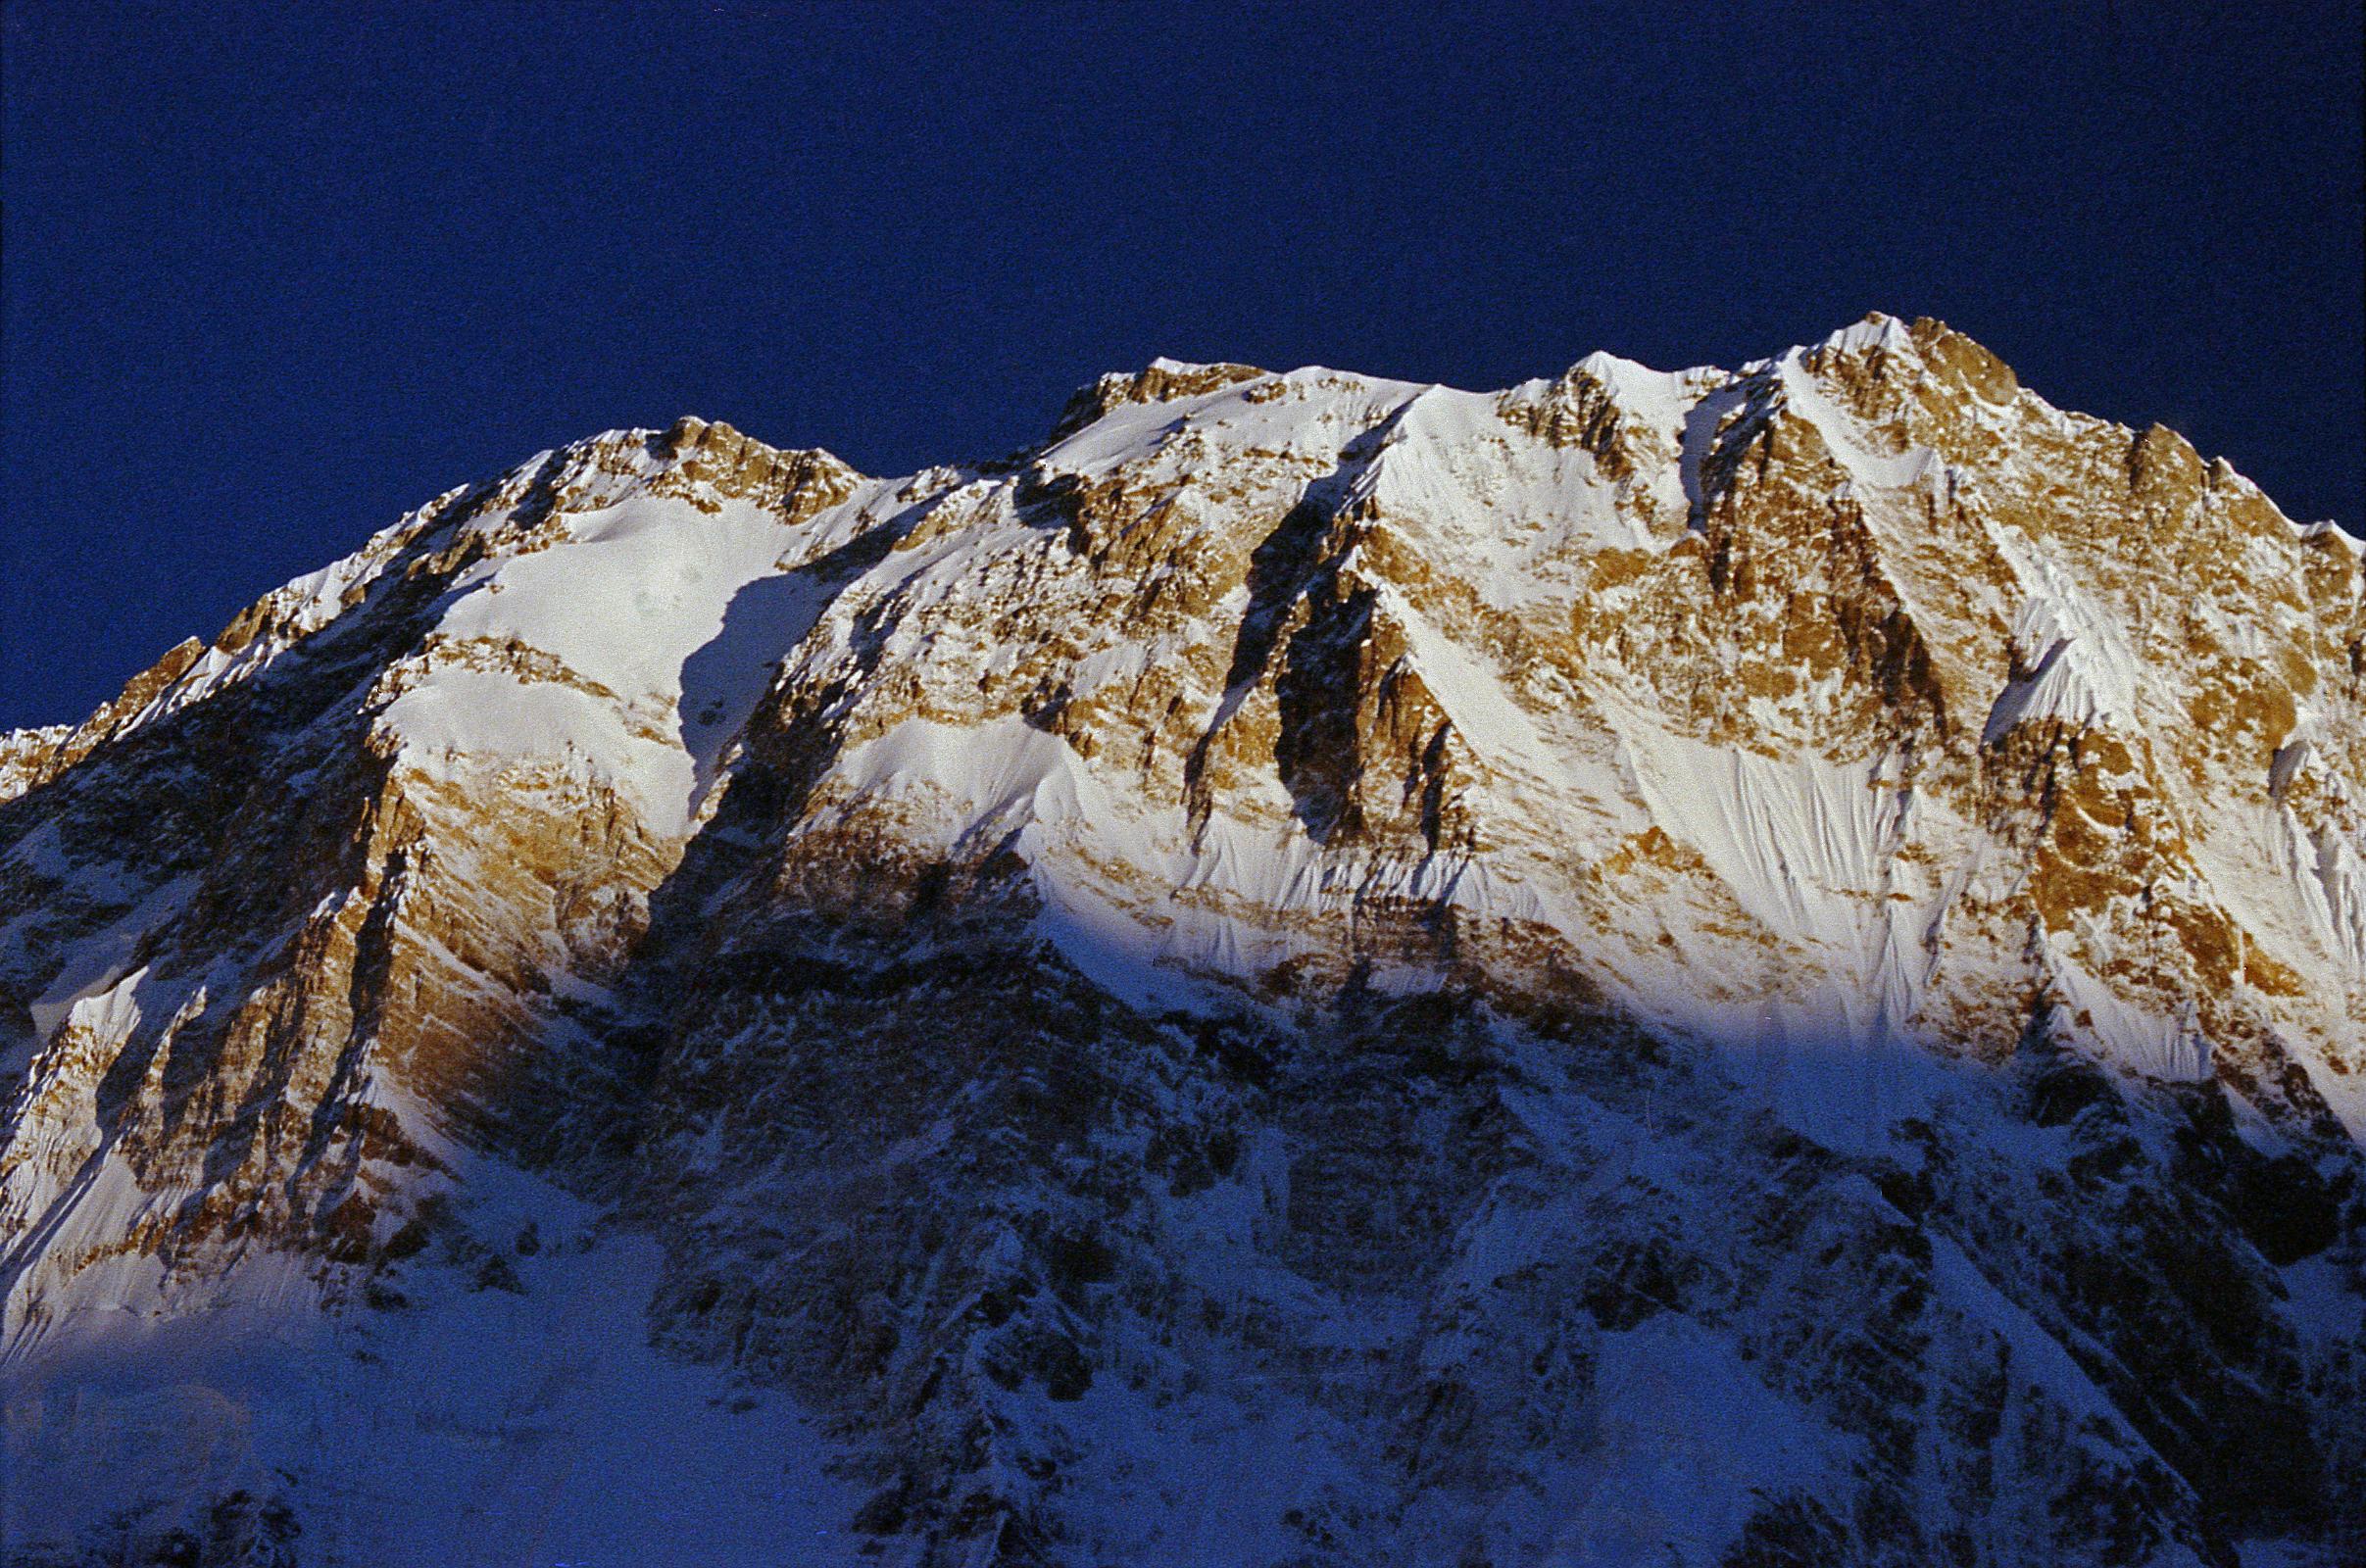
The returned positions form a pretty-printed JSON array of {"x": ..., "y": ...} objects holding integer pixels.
[
  {"x": 1728, "y": 790},
  {"x": 519, "y": 1415}
]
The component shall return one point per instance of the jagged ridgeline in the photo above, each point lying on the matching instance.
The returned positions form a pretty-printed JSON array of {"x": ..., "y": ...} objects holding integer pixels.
[{"x": 1720, "y": 969}]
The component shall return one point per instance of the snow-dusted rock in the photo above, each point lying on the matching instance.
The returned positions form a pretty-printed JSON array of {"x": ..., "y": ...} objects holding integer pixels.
[{"x": 1749, "y": 966}]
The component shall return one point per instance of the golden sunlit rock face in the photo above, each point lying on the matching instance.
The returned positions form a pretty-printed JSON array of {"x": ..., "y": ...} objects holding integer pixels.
[{"x": 1434, "y": 933}]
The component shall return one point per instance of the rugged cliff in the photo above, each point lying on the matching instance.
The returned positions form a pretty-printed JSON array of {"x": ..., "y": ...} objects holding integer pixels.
[{"x": 1721, "y": 967}]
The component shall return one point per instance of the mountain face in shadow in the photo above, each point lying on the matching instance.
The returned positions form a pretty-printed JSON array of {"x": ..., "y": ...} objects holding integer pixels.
[{"x": 1713, "y": 967}]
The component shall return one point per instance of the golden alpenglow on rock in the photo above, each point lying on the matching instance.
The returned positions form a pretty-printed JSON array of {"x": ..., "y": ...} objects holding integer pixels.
[{"x": 1726, "y": 967}]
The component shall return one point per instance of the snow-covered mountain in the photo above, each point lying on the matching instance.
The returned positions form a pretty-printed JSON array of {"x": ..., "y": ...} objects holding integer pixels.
[{"x": 1722, "y": 967}]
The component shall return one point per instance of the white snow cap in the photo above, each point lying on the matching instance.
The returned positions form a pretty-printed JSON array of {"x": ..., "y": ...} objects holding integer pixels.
[{"x": 1875, "y": 332}]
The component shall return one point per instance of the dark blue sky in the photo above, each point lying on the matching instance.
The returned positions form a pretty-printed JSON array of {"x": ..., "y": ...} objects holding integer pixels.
[{"x": 273, "y": 277}]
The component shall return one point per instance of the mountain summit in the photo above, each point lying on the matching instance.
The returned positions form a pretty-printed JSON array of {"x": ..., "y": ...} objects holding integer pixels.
[{"x": 1712, "y": 967}]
